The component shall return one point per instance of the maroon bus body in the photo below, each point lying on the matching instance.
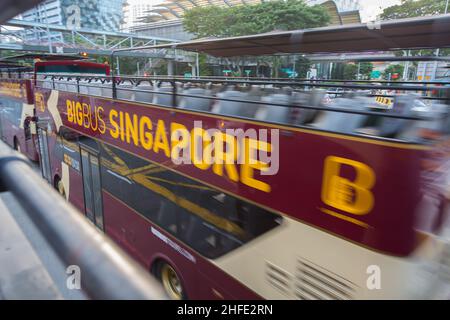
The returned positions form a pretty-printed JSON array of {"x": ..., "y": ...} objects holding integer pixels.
[
  {"x": 12, "y": 133},
  {"x": 392, "y": 225}
]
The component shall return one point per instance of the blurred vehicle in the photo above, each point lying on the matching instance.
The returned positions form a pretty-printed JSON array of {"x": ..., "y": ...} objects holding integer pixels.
[{"x": 323, "y": 198}]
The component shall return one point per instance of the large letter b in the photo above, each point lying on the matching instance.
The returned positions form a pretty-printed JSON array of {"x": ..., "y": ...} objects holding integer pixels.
[{"x": 350, "y": 196}]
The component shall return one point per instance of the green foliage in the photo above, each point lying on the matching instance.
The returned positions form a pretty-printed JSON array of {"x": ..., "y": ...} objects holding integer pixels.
[
  {"x": 350, "y": 71},
  {"x": 214, "y": 21},
  {"x": 365, "y": 68},
  {"x": 204, "y": 68},
  {"x": 302, "y": 66},
  {"x": 414, "y": 8},
  {"x": 393, "y": 68}
]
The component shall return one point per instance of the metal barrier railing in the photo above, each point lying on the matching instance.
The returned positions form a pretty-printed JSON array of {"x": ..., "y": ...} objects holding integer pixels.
[{"x": 107, "y": 272}]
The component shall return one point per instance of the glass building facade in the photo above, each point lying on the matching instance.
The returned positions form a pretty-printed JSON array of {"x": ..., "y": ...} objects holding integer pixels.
[{"x": 105, "y": 15}]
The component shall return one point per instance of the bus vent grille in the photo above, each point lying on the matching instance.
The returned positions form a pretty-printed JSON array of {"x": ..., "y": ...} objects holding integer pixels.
[
  {"x": 315, "y": 283},
  {"x": 278, "y": 278}
]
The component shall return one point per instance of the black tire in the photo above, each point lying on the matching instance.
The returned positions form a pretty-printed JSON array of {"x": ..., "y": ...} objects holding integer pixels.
[
  {"x": 170, "y": 280},
  {"x": 58, "y": 185},
  {"x": 16, "y": 145}
]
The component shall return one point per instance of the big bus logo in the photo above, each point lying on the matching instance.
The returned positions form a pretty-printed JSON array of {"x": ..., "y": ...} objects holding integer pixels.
[
  {"x": 39, "y": 101},
  {"x": 352, "y": 196}
]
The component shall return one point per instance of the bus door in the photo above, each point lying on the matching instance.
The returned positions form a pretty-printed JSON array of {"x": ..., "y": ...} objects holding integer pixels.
[
  {"x": 44, "y": 153},
  {"x": 29, "y": 130},
  {"x": 93, "y": 203}
]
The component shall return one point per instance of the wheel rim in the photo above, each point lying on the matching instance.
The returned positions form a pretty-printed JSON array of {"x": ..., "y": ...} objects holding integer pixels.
[{"x": 171, "y": 282}]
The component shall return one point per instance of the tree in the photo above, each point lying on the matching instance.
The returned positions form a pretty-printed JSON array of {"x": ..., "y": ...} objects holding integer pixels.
[
  {"x": 302, "y": 66},
  {"x": 350, "y": 71},
  {"x": 365, "y": 68},
  {"x": 214, "y": 21},
  {"x": 393, "y": 69},
  {"x": 414, "y": 8}
]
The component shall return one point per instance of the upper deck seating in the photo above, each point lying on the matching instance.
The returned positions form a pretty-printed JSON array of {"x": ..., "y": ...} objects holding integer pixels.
[
  {"x": 273, "y": 113},
  {"x": 193, "y": 103},
  {"x": 142, "y": 94},
  {"x": 71, "y": 85},
  {"x": 163, "y": 99},
  {"x": 61, "y": 84},
  {"x": 342, "y": 121},
  {"x": 47, "y": 83},
  {"x": 123, "y": 90},
  {"x": 438, "y": 121},
  {"x": 83, "y": 84},
  {"x": 235, "y": 108},
  {"x": 392, "y": 127},
  {"x": 95, "y": 87},
  {"x": 311, "y": 99},
  {"x": 106, "y": 87}
]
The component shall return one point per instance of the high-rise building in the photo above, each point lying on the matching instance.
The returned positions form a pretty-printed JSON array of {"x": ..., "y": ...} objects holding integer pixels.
[
  {"x": 106, "y": 15},
  {"x": 134, "y": 11}
]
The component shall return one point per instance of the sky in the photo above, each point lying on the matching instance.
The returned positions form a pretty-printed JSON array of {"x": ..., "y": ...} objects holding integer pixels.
[{"x": 371, "y": 8}]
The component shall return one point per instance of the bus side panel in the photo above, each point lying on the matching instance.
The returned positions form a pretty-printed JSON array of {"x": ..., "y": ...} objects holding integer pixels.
[{"x": 146, "y": 243}]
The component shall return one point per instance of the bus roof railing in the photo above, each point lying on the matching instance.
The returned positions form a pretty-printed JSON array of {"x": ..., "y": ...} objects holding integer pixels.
[
  {"x": 106, "y": 271},
  {"x": 413, "y": 33},
  {"x": 332, "y": 83},
  {"x": 175, "y": 93}
]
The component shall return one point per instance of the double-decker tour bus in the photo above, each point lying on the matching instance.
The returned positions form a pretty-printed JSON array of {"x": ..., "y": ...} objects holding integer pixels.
[
  {"x": 242, "y": 189},
  {"x": 17, "y": 108}
]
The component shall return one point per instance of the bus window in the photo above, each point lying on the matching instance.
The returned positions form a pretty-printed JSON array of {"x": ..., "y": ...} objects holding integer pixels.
[
  {"x": 223, "y": 224},
  {"x": 92, "y": 188},
  {"x": 87, "y": 185},
  {"x": 97, "y": 192}
]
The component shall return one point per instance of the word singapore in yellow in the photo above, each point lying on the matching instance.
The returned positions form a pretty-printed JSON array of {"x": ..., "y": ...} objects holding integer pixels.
[{"x": 239, "y": 155}]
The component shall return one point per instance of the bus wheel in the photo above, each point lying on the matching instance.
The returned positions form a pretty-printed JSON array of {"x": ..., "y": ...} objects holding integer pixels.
[
  {"x": 60, "y": 187},
  {"x": 170, "y": 281},
  {"x": 16, "y": 144}
]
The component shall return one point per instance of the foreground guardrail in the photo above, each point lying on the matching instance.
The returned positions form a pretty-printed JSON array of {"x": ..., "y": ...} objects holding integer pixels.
[{"x": 107, "y": 272}]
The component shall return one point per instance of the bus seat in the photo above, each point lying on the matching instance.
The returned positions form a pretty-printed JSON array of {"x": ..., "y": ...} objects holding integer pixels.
[
  {"x": 142, "y": 95},
  {"x": 107, "y": 89},
  {"x": 72, "y": 85},
  {"x": 123, "y": 92},
  {"x": 391, "y": 127},
  {"x": 163, "y": 99},
  {"x": 438, "y": 121},
  {"x": 94, "y": 88},
  {"x": 340, "y": 121},
  {"x": 234, "y": 108},
  {"x": 196, "y": 103},
  {"x": 61, "y": 85},
  {"x": 47, "y": 83},
  {"x": 84, "y": 86},
  {"x": 273, "y": 113},
  {"x": 311, "y": 99}
]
